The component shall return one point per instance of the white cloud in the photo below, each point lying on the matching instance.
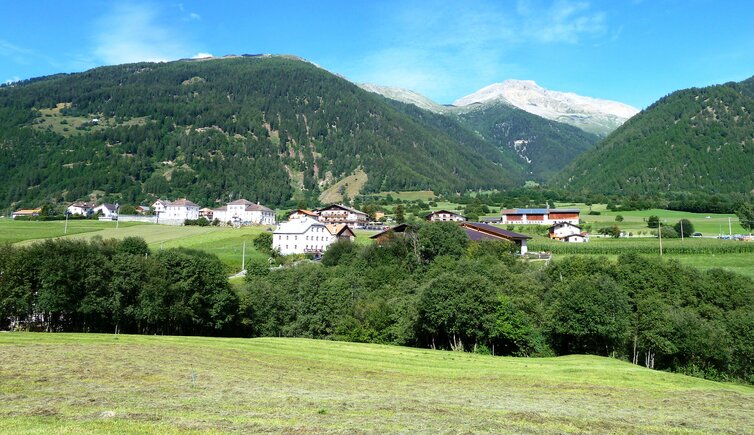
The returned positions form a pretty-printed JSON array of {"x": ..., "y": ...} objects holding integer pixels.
[
  {"x": 562, "y": 22},
  {"x": 195, "y": 16},
  {"x": 136, "y": 32},
  {"x": 449, "y": 45},
  {"x": 201, "y": 55},
  {"x": 17, "y": 54},
  {"x": 13, "y": 79}
]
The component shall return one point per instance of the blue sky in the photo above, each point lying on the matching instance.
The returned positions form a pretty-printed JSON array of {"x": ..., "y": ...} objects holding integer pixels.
[{"x": 630, "y": 51}]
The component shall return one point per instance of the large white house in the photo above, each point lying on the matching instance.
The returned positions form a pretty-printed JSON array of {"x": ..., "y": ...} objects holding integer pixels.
[
  {"x": 444, "y": 216},
  {"x": 80, "y": 208},
  {"x": 539, "y": 216},
  {"x": 180, "y": 210},
  {"x": 244, "y": 212},
  {"x": 340, "y": 214},
  {"x": 568, "y": 232},
  {"x": 306, "y": 235}
]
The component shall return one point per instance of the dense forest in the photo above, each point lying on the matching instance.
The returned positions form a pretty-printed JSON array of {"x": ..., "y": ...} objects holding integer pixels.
[
  {"x": 258, "y": 127},
  {"x": 430, "y": 287},
  {"x": 694, "y": 140}
]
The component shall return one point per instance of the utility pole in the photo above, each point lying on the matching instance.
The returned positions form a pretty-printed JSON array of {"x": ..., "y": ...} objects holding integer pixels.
[
  {"x": 730, "y": 229},
  {"x": 65, "y": 230},
  {"x": 659, "y": 233},
  {"x": 243, "y": 257},
  {"x": 681, "y": 229}
]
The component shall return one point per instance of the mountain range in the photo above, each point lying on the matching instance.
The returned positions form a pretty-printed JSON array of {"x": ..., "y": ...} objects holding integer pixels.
[
  {"x": 280, "y": 130},
  {"x": 267, "y": 128}
]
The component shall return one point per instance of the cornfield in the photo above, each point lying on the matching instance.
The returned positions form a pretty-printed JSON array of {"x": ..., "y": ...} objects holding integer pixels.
[{"x": 644, "y": 246}]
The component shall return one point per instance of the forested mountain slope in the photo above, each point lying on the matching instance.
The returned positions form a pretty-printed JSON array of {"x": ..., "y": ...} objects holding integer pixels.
[
  {"x": 541, "y": 146},
  {"x": 691, "y": 140},
  {"x": 260, "y": 127},
  {"x": 544, "y": 146}
]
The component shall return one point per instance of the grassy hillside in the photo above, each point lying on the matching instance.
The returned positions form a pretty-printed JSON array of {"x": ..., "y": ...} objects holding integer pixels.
[
  {"x": 96, "y": 383},
  {"x": 698, "y": 140}
]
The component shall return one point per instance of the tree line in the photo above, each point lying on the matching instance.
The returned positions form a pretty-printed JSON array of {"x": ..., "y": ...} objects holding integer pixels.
[
  {"x": 114, "y": 286},
  {"x": 429, "y": 287}
]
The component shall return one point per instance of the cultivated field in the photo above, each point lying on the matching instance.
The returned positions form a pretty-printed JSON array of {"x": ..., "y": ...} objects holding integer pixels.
[{"x": 78, "y": 383}]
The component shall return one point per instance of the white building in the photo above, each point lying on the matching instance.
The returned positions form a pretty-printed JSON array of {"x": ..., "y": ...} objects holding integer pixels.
[
  {"x": 444, "y": 216},
  {"x": 568, "y": 232},
  {"x": 180, "y": 210},
  {"x": 160, "y": 206},
  {"x": 340, "y": 214},
  {"x": 80, "y": 208},
  {"x": 302, "y": 213},
  {"x": 539, "y": 216},
  {"x": 107, "y": 210},
  {"x": 244, "y": 212},
  {"x": 306, "y": 235}
]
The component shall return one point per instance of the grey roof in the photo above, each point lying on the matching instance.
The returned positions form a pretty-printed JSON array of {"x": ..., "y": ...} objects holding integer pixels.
[
  {"x": 473, "y": 230},
  {"x": 182, "y": 203},
  {"x": 257, "y": 207},
  {"x": 240, "y": 202}
]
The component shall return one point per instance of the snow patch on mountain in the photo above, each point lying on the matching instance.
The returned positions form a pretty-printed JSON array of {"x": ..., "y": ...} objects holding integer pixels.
[
  {"x": 590, "y": 114},
  {"x": 404, "y": 96}
]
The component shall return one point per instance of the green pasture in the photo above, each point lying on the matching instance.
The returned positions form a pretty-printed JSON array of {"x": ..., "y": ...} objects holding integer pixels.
[
  {"x": 86, "y": 383},
  {"x": 709, "y": 224},
  {"x": 226, "y": 243},
  {"x": 12, "y": 231}
]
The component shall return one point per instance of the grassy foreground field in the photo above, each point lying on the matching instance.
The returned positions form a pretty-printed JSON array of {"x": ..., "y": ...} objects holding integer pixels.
[{"x": 78, "y": 383}]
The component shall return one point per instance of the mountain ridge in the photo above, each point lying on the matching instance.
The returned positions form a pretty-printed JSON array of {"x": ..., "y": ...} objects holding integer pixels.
[
  {"x": 591, "y": 114},
  {"x": 695, "y": 140}
]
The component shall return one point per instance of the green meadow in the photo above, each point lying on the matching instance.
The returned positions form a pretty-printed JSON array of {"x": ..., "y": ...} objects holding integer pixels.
[
  {"x": 87, "y": 383},
  {"x": 709, "y": 224},
  {"x": 226, "y": 243}
]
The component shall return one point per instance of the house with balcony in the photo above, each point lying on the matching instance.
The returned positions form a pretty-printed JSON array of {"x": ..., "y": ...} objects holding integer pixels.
[
  {"x": 340, "y": 214},
  {"x": 540, "y": 216}
]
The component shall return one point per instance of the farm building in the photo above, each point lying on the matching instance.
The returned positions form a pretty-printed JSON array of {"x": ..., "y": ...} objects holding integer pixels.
[
  {"x": 474, "y": 231},
  {"x": 540, "y": 216},
  {"x": 480, "y": 231},
  {"x": 26, "y": 212},
  {"x": 386, "y": 235}
]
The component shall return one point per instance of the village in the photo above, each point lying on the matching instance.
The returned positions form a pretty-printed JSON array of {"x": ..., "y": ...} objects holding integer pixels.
[{"x": 313, "y": 231}]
